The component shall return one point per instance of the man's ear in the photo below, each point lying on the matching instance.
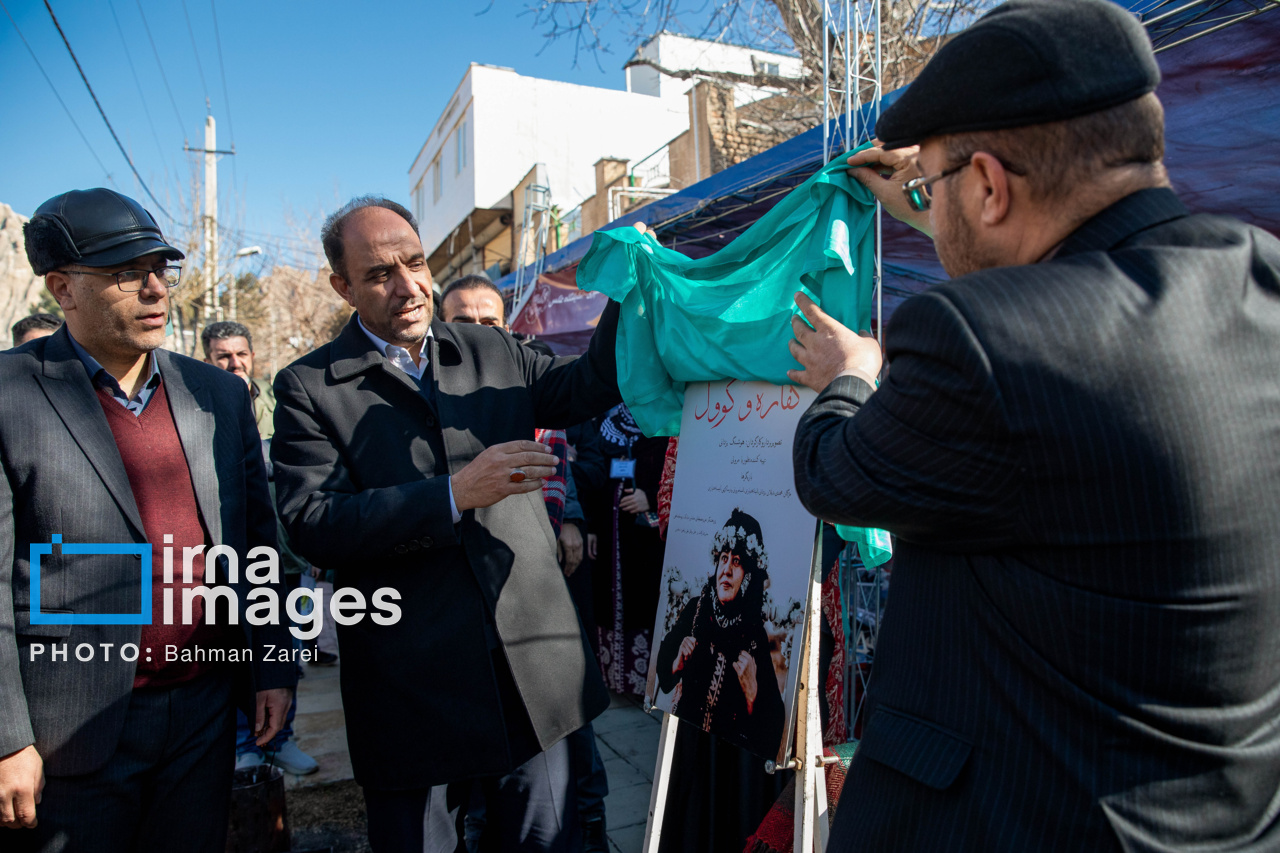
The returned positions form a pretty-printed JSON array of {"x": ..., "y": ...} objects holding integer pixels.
[
  {"x": 59, "y": 286},
  {"x": 994, "y": 182},
  {"x": 341, "y": 287}
]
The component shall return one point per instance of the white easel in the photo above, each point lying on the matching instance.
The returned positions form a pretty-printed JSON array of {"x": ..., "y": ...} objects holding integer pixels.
[{"x": 811, "y": 823}]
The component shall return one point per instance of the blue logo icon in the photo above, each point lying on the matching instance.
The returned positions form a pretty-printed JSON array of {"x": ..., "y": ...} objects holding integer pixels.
[{"x": 143, "y": 552}]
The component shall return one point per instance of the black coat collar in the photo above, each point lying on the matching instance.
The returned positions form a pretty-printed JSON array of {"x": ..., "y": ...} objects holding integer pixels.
[
  {"x": 352, "y": 352},
  {"x": 1117, "y": 223}
]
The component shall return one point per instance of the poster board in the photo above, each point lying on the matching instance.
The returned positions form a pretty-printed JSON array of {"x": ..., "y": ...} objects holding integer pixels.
[{"x": 735, "y": 518}]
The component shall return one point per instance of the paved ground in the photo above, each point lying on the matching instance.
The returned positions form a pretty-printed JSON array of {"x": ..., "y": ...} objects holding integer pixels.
[
  {"x": 626, "y": 736},
  {"x": 628, "y": 741}
]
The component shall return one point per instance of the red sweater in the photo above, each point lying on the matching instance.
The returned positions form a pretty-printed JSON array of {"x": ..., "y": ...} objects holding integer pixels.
[{"x": 161, "y": 483}]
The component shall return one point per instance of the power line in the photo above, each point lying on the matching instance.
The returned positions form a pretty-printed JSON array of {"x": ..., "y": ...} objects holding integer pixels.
[
  {"x": 226, "y": 97},
  {"x": 176, "y": 112},
  {"x": 222, "y": 69},
  {"x": 195, "y": 51},
  {"x": 105, "y": 120},
  {"x": 128, "y": 55},
  {"x": 56, "y": 95}
]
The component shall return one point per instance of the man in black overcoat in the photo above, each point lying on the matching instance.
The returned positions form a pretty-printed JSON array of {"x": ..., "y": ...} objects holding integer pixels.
[
  {"x": 1076, "y": 445},
  {"x": 404, "y": 460}
]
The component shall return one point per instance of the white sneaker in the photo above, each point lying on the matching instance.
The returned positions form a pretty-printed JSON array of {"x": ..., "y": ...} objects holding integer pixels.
[
  {"x": 293, "y": 760},
  {"x": 249, "y": 760}
]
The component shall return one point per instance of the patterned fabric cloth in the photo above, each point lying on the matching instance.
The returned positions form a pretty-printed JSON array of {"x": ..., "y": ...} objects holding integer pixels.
[
  {"x": 777, "y": 831},
  {"x": 666, "y": 487},
  {"x": 556, "y": 487},
  {"x": 837, "y": 730}
]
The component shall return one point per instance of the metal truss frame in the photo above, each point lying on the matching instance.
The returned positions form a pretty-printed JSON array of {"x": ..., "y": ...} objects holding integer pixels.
[{"x": 1171, "y": 23}]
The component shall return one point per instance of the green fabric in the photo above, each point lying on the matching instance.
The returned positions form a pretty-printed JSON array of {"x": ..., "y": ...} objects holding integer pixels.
[
  {"x": 727, "y": 316},
  {"x": 874, "y": 546}
]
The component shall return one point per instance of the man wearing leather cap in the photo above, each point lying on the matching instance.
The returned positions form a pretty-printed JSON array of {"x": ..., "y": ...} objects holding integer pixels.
[
  {"x": 126, "y": 742},
  {"x": 1075, "y": 446}
]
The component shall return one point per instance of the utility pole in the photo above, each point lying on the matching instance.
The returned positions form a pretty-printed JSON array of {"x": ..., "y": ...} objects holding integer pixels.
[
  {"x": 212, "y": 308},
  {"x": 211, "y": 219}
]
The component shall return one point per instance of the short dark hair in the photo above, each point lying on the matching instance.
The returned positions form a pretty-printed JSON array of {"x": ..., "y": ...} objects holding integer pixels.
[
  {"x": 475, "y": 281},
  {"x": 35, "y": 323},
  {"x": 331, "y": 231},
  {"x": 1057, "y": 156},
  {"x": 221, "y": 331}
]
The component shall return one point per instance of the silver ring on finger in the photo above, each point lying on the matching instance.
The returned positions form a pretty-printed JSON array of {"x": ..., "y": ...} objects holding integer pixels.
[{"x": 517, "y": 476}]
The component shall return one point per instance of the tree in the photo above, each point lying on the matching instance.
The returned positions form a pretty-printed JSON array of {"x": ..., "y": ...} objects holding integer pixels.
[{"x": 911, "y": 31}]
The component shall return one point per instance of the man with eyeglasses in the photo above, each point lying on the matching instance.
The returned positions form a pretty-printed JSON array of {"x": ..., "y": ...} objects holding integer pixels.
[
  {"x": 120, "y": 737},
  {"x": 1075, "y": 445}
]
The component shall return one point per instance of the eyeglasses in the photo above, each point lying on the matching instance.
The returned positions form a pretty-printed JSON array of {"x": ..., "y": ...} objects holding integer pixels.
[
  {"x": 917, "y": 189},
  {"x": 132, "y": 281}
]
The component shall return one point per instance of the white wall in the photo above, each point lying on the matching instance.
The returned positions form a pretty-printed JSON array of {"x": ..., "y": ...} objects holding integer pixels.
[
  {"x": 516, "y": 121},
  {"x": 681, "y": 53},
  {"x": 438, "y": 216}
]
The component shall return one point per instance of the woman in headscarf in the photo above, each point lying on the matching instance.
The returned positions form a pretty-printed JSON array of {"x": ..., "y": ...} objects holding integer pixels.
[
  {"x": 717, "y": 654},
  {"x": 629, "y": 566}
]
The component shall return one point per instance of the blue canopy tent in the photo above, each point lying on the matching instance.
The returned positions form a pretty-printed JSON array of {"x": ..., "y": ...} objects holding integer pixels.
[{"x": 1222, "y": 151}]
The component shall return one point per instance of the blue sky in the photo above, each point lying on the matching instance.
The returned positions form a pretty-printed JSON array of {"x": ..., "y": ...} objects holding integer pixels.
[{"x": 326, "y": 99}]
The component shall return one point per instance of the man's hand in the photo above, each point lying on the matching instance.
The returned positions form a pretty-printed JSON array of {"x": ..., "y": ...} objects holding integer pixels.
[
  {"x": 745, "y": 666},
  {"x": 21, "y": 784},
  {"x": 593, "y": 545},
  {"x": 869, "y": 165},
  {"x": 687, "y": 645},
  {"x": 273, "y": 706},
  {"x": 634, "y": 501},
  {"x": 829, "y": 349},
  {"x": 569, "y": 548},
  {"x": 486, "y": 479}
]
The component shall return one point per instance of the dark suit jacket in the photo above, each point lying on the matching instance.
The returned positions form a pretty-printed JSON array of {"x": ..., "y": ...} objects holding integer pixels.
[
  {"x": 1080, "y": 460},
  {"x": 361, "y": 465},
  {"x": 63, "y": 474}
]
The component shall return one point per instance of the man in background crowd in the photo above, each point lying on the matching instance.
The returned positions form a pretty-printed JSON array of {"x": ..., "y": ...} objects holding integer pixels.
[
  {"x": 35, "y": 326},
  {"x": 229, "y": 345},
  {"x": 107, "y": 438}
]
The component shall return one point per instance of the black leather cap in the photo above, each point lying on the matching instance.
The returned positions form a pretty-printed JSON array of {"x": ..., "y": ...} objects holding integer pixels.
[
  {"x": 1026, "y": 62},
  {"x": 92, "y": 228}
]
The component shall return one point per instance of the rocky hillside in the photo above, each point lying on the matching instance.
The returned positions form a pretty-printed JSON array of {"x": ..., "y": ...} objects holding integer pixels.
[{"x": 19, "y": 287}]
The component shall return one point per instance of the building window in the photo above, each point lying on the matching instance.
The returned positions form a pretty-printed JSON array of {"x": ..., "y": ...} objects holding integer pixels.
[
  {"x": 436, "y": 185},
  {"x": 771, "y": 69},
  {"x": 419, "y": 202},
  {"x": 461, "y": 139}
]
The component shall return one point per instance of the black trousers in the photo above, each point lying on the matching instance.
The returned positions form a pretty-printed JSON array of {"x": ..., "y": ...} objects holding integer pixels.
[
  {"x": 532, "y": 809},
  {"x": 166, "y": 788}
]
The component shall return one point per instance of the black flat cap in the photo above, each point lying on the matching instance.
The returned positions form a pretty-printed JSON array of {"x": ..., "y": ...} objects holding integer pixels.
[
  {"x": 1026, "y": 62},
  {"x": 93, "y": 228}
]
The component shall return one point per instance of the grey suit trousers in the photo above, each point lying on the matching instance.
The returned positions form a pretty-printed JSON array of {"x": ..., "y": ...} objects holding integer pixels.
[{"x": 165, "y": 789}]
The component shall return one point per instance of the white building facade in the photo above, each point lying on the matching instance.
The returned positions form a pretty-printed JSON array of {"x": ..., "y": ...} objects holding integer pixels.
[
  {"x": 503, "y": 131},
  {"x": 499, "y": 124}
]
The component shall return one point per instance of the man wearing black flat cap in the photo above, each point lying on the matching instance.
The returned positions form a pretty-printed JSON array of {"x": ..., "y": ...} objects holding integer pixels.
[
  {"x": 1075, "y": 445},
  {"x": 114, "y": 735}
]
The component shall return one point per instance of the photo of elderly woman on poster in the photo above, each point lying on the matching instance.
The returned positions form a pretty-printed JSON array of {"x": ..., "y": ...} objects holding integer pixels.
[{"x": 715, "y": 660}]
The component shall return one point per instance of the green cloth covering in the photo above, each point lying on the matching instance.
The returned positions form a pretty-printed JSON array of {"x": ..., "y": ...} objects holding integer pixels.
[
  {"x": 874, "y": 546},
  {"x": 727, "y": 316}
]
